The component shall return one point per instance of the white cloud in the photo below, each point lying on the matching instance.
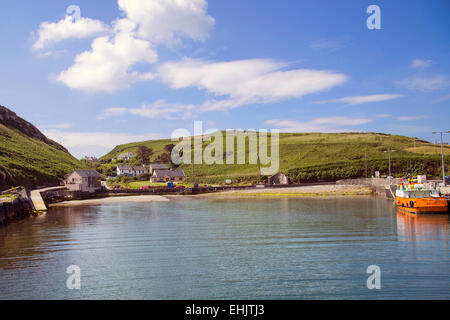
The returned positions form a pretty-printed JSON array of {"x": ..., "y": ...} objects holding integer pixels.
[
  {"x": 159, "y": 109},
  {"x": 424, "y": 83},
  {"x": 442, "y": 99},
  {"x": 161, "y": 21},
  {"x": 241, "y": 83},
  {"x": 412, "y": 118},
  {"x": 423, "y": 64},
  {"x": 96, "y": 144},
  {"x": 53, "y": 32},
  {"x": 58, "y": 126},
  {"x": 246, "y": 82},
  {"x": 328, "y": 124},
  {"x": 106, "y": 67},
  {"x": 382, "y": 116},
  {"x": 363, "y": 99}
]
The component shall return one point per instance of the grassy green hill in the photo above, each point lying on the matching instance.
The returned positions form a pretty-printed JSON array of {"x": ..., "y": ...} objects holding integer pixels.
[
  {"x": 316, "y": 157},
  {"x": 27, "y": 157}
]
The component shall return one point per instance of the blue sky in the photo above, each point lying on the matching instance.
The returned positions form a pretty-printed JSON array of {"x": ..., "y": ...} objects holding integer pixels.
[{"x": 131, "y": 70}]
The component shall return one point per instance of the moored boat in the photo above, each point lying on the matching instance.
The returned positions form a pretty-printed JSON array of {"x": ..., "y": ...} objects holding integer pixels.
[{"x": 417, "y": 198}]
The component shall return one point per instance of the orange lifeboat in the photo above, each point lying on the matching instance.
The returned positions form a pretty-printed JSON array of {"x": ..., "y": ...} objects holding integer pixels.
[{"x": 416, "y": 198}]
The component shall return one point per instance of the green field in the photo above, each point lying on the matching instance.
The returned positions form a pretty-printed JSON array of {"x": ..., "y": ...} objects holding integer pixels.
[{"x": 316, "y": 157}]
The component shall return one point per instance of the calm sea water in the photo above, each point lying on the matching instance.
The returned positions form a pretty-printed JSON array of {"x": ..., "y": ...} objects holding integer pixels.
[{"x": 228, "y": 249}]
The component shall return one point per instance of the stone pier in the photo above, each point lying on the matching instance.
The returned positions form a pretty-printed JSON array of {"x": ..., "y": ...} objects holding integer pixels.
[{"x": 37, "y": 200}]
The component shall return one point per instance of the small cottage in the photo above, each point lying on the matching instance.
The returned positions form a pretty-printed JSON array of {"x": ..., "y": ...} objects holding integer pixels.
[
  {"x": 84, "y": 181},
  {"x": 138, "y": 170},
  {"x": 157, "y": 166},
  {"x": 167, "y": 176},
  {"x": 278, "y": 179},
  {"x": 91, "y": 159},
  {"x": 126, "y": 156}
]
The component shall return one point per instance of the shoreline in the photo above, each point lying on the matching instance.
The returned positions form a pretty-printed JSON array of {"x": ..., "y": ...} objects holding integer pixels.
[
  {"x": 111, "y": 200},
  {"x": 321, "y": 191}
]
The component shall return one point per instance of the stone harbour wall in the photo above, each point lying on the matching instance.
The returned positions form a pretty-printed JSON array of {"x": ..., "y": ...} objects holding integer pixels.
[{"x": 15, "y": 210}]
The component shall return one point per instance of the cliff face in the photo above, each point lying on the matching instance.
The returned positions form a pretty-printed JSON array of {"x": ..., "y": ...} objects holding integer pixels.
[
  {"x": 11, "y": 120},
  {"x": 27, "y": 157}
]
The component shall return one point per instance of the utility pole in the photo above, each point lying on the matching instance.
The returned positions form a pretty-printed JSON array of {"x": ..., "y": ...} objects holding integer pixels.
[
  {"x": 442, "y": 153},
  {"x": 413, "y": 167},
  {"x": 389, "y": 152},
  {"x": 365, "y": 162},
  {"x": 193, "y": 175},
  {"x": 390, "y": 166}
]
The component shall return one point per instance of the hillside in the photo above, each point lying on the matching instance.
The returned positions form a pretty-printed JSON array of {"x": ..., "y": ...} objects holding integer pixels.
[
  {"x": 318, "y": 157},
  {"x": 27, "y": 157}
]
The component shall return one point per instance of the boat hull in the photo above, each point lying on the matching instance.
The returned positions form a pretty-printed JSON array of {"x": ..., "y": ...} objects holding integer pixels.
[{"x": 422, "y": 205}]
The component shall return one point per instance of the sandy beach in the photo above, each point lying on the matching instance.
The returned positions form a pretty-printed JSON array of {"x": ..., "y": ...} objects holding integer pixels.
[
  {"x": 111, "y": 200},
  {"x": 306, "y": 191}
]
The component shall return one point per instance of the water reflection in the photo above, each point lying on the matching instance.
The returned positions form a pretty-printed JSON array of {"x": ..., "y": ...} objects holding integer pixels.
[
  {"x": 421, "y": 227},
  {"x": 30, "y": 242}
]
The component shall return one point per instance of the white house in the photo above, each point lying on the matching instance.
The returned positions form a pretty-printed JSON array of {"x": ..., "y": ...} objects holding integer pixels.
[
  {"x": 138, "y": 170},
  {"x": 131, "y": 171},
  {"x": 124, "y": 170}
]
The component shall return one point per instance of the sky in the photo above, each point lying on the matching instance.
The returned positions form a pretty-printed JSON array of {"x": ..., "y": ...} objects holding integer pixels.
[{"x": 122, "y": 71}]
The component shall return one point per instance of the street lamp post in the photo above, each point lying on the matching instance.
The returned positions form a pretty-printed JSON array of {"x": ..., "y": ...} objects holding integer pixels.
[
  {"x": 259, "y": 169},
  {"x": 442, "y": 153}
]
